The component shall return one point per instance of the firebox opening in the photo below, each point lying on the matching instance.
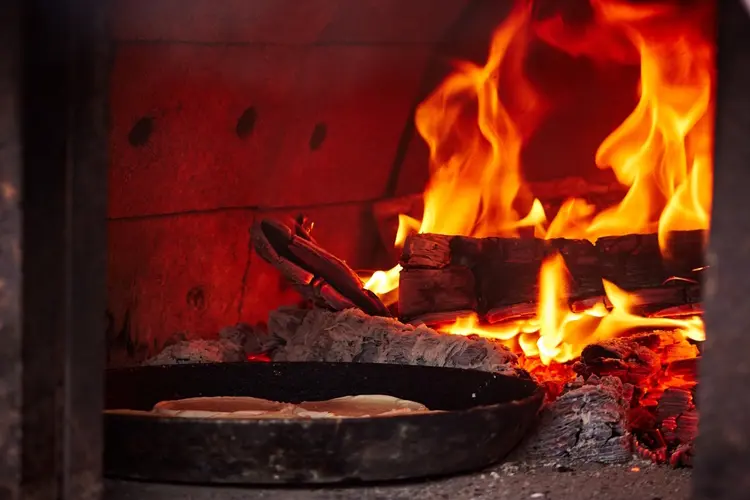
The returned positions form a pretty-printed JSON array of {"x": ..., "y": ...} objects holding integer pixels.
[{"x": 527, "y": 184}]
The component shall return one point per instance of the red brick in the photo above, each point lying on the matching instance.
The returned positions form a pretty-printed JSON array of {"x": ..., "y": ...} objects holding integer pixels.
[
  {"x": 194, "y": 160},
  {"x": 364, "y": 95},
  {"x": 195, "y": 94},
  {"x": 392, "y": 21},
  {"x": 286, "y": 21},
  {"x": 185, "y": 273},
  {"x": 235, "y": 21},
  {"x": 415, "y": 169},
  {"x": 177, "y": 274}
]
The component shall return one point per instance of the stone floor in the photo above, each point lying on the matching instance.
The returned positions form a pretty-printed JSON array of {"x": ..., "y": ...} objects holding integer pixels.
[{"x": 640, "y": 481}]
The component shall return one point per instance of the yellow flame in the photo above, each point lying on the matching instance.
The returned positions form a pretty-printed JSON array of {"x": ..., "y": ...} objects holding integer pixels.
[
  {"x": 661, "y": 153},
  {"x": 558, "y": 334}
]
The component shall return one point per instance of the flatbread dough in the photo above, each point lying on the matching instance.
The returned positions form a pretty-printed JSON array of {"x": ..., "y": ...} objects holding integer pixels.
[{"x": 255, "y": 408}]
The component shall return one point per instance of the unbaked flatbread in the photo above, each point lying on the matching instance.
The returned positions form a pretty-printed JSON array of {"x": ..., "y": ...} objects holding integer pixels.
[{"x": 255, "y": 408}]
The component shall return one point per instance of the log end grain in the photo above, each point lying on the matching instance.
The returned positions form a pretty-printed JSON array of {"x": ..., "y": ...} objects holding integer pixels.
[{"x": 587, "y": 423}]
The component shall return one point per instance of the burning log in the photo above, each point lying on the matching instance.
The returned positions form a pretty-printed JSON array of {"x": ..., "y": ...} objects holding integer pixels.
[
  {"x": 353, "y": 336},
  {"x": 601, "y": 192},
  {"x": 588, "y": 422},
  {"x": 451, "y": 289},
  {"x": 634, "y": 261},
  {"x": 506, "y": 270}
]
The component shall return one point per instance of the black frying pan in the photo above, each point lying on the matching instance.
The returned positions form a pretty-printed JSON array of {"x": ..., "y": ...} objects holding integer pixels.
[{"x": 486, "y": 416}]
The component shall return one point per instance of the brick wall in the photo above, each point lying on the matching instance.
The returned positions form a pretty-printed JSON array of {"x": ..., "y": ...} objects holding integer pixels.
[{"x": 224, "y": 111}]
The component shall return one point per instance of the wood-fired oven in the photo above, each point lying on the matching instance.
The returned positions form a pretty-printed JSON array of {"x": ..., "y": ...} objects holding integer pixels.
[{"x": 513, "y": 195}]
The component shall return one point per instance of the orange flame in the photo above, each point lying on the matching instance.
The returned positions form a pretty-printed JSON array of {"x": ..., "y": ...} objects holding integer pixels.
[
  {"x": 661, "y": 152},
  {"x": 475, "y": 147},
  {"x": 557, "y": 333},
  {"x": 475, "y": 144}
]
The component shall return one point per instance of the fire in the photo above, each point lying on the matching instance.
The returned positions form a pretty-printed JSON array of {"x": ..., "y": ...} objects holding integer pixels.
[
  {"x": 556, "y": 333},
  {"x": 662, "y": 151},
  {"x": 475, "y": 147},
  {"x": 475, "y": 144},
  {"x": 475, "y": 125},
  {"x": 385, "y": 283}
]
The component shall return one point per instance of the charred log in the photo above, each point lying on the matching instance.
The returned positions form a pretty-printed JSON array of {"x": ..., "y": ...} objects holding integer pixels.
[
  {"x": 506, "y": 271},
  {"x": 448, "y": 289},
  {"x": 669, "y": 437},
  {"x": 635, "y": 261},
  {"x": 588, "y": 422},
  {"x": 662, "y": 366},
  {"x": 352, "y": 336}
]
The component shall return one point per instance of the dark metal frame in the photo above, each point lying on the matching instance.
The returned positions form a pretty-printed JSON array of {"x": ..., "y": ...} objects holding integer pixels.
[
  {"x": 53, "y": 186},
  {"x": 723, "y": 447},
  {"x": 53, "y": 173}
]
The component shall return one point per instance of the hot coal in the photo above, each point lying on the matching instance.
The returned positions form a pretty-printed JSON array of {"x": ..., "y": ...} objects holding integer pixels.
[{"x": 661, "y": 367}]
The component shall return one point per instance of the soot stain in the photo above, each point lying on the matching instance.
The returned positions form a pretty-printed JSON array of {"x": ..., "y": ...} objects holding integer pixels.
[
  {"x": 246, "y": 123},
  {"x": 318, "y": 136},
  {"x": 141, "y": 131}
]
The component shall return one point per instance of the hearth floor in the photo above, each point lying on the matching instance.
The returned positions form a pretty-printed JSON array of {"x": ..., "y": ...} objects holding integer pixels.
[{"x": 503, "y": 482}]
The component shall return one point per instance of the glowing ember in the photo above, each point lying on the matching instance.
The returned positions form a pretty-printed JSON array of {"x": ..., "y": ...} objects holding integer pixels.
[{"x": 661, "y": 152}]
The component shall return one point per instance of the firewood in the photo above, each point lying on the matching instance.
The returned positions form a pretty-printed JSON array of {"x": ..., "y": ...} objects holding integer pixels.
[
  {"x": 449, "y": 289},
  {"x": 512, "y": 312},
  {"x": 432, "y": 251},
  {"x": 588, "y": 422},
  {"x": 634, "y": 261},
  {"x": 353, "y": 336},
  {"x": 440, "y": 318},
  {"x": 678, "y": 311},
  {"x": 673, "y": 403},
  {"x": 684, "y": 368},
  {"x": 506, "y": 271},
  {"x": 602, "y": 192}
]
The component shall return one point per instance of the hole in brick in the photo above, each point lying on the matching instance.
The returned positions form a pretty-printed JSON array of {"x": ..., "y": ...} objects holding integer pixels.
[
  {"x": 318, "y": 136},
  {"x": 246, "y": 123},
  {"x": 141, "y": 131},
  {"x": 196, "y": 298}
]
